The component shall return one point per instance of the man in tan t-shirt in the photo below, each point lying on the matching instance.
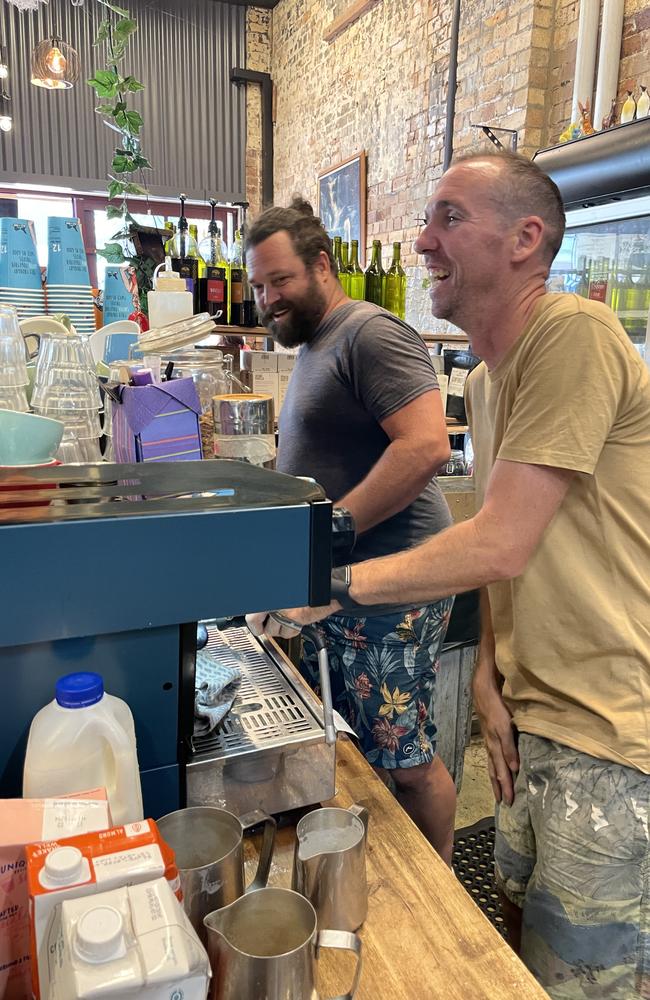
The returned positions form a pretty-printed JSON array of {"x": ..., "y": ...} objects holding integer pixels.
[{"x": 560, "y": 417}]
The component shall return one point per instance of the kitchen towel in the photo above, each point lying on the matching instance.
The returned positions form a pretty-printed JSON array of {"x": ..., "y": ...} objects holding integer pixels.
[{"x": 216, "y": 689}]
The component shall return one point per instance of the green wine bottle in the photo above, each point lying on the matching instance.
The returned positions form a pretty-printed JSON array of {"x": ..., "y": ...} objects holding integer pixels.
[
  {"x": 375, "y": 276},
  {"x": 357, "y": 277},
  {"x": 344, "y": 277},
  {"x": 395, "y": 300}
]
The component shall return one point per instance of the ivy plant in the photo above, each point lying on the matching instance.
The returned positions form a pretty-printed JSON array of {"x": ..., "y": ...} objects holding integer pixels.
[{"x": 113, "y": 88}]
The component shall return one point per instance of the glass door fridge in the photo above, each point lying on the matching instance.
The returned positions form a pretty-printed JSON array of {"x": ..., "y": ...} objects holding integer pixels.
[{"x": 605, "y": 255}]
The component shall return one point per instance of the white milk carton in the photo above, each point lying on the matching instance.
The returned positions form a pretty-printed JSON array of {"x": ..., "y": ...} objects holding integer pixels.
[
  {"x": 88, "y": 865},
  {"x": 134, "y": 941}
]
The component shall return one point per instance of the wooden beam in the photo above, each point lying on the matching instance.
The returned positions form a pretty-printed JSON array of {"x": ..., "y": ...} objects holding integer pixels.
[{"x": 348, "y": 17}]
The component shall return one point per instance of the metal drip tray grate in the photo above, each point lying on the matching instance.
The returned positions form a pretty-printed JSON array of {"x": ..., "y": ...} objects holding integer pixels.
[{"x": 267, "y": 711}]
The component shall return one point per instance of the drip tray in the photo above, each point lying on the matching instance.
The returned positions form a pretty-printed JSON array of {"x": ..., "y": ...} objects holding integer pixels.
[
  {"x": 267, "y": 711},
  {"x": 269, "y": 752}
]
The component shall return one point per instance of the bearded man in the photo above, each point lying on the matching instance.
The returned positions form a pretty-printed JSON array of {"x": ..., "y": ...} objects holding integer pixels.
[{"x": 363, "y": 417}]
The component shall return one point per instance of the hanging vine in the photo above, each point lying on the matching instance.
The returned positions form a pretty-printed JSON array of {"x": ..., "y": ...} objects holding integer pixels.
[{"x": 113, "y": 88}]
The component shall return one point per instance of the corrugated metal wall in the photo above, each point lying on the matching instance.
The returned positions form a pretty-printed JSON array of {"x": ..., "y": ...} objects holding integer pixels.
[{"x": 195, "y": 126}]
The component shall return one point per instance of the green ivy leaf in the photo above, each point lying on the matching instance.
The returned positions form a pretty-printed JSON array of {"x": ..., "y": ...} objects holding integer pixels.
[
  {"x": 124, "y": 29},
  {"x": 113, "y": 212},
  {"x": 131, "y": 84},
  {"x": 114, "y": 188},
  {"x": 141, "y": 162},
  {"x": 105, "y": 83},
  {"x": 113, "y": 253},
  {"x": 134, "y": 121},
  {"x": 103, "y": 33},
  {"x": 105, "y": 109},
  {"x": 133, "y": 188}
]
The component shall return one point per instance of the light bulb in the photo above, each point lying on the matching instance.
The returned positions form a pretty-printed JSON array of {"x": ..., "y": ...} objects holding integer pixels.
[
  {"x": 55, "y": 61},
  {"x": 6, "y": 123},
  {"x": 4, "y": 71}
]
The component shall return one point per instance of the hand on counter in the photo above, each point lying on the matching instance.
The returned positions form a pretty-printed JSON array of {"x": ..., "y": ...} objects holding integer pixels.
[{"x": 498, "y": 732}]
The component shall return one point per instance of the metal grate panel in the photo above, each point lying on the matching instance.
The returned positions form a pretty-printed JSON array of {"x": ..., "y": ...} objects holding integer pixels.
[{"x": 267, "y": 711}]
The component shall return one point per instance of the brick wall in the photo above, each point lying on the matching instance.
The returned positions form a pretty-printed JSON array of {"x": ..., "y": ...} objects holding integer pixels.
[
  {"x": 258, "y": 57},
  {"x": 382, "y": 86}
]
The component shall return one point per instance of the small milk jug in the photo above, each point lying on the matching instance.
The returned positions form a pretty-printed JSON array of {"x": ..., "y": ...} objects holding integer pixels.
[{"x": 85, "y": 739}]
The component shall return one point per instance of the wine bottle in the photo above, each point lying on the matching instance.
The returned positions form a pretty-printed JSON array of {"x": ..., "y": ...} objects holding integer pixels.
[
  {"x": 395, "y": 295},
  {"x": 194, "y": 249},
  {"x": 357, "y": 277},
  {"x": 375, "y": 276},
  {"x": 236, "y": 283},
  {"x": 185, "y": 256},
  {"x": 599, "y": 288},
  {"x": 345, "y": 266},
  {"x": 169, "y": 243},
  {"x": 341, "y": 268},
  {"x": 214, "y": 287}
]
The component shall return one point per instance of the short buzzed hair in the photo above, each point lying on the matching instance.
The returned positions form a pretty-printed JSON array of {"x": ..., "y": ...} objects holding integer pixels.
[
  {"x": 521, "y": 189},
  {"x": 305, "y": 230}
]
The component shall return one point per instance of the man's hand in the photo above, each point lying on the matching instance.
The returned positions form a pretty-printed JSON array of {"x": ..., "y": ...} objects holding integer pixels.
[
  {"x": 263, "y": 623},
  {"x": 497, "y": 728}
]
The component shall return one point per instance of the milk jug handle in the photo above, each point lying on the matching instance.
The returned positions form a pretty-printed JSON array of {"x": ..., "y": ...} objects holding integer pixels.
[
  {"x": 346, "y": 942},
  {"x": 123, "y": 776},
  {"x": 362, "y": 813},
  {"x": 266, "y": 850}
]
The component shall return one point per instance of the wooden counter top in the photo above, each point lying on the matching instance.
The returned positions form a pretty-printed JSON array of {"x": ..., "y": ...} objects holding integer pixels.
[{"x": 424, "y": 938}]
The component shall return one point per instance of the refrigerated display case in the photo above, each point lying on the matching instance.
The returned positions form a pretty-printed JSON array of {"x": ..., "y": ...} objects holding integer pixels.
[{"x": 605, "y": 255}]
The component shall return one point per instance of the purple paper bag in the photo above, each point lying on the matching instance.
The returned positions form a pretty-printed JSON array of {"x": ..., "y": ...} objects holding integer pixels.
[{"x": 157, "y": 423}]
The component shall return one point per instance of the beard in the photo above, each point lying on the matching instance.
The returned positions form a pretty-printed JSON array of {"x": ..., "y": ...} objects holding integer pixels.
[{"x": 301, "y": 321}]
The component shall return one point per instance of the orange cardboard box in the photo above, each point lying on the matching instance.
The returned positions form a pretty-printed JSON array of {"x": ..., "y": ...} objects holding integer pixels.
[{"x": 82, "y": 866}]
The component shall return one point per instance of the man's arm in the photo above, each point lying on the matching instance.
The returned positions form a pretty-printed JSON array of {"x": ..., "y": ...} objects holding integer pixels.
[
  {"x": 419, "y": 445},
  {"x": 496, "y": 721},
  {"x": 520, "y": 502}
]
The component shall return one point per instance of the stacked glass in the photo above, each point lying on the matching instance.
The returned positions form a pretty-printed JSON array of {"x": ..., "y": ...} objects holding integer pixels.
[
  {"x": 13, "y": 362},
  {"x": 66, "y": 389}
]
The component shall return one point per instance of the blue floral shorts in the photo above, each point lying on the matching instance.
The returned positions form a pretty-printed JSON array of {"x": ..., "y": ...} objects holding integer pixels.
[{"x": 383, "y": 675}]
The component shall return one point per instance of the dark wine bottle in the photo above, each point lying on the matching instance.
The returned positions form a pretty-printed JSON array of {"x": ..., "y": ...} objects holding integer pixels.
[{"x": 375, "y": 276}]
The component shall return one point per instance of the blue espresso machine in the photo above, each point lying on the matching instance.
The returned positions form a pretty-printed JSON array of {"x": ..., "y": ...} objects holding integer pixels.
[{"x": 109, "y": 567}]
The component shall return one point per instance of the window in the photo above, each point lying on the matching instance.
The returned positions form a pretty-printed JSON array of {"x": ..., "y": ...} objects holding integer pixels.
[{"x": 96, "y": 228}]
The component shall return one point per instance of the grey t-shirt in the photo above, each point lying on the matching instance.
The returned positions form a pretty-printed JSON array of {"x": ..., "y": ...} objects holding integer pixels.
[{"x": 363, "y": 365}]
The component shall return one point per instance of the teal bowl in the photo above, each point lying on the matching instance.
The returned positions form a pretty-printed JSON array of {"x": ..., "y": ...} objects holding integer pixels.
[{"x": 28, "y": 438}]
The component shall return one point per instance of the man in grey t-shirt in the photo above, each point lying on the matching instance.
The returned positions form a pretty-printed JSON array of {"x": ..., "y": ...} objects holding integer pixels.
[{"x": 362, "y": 416}]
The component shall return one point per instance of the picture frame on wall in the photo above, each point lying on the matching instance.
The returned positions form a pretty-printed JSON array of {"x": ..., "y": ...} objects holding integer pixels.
[{"x": 342, "y": 200}]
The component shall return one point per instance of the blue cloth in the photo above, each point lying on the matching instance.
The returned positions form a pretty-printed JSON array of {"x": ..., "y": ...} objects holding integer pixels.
[{"x": 216, "y": 688}]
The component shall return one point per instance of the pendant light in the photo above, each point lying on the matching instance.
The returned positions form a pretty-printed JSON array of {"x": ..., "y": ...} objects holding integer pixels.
[
  {"x": 6, "y": 121},
  {"x": 55, "y": 64}
]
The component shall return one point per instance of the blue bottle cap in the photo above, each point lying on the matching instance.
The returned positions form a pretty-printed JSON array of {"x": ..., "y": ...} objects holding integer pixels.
[{"x": 79, "y": 690}]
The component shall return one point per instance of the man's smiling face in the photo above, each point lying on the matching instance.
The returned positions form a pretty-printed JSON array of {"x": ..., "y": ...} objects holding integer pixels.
[{"x": 287, "y": 293}]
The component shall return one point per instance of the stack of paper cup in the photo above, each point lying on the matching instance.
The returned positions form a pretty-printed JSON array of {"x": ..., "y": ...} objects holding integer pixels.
[
  {"x": 120, "y": 294},
  {"x": 68, "y": 283},
  {"x": 20, "y": 274}
]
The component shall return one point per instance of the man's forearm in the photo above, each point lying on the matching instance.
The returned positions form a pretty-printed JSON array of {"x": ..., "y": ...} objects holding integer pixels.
[
  {"x": 395, "y": 481},
  {"x": 463, "y": 557}
]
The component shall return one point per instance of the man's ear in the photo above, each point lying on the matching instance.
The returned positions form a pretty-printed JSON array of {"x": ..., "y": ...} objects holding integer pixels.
[
  {"x": 322, "y": 263},
  {"x": 528, "y": 238}
]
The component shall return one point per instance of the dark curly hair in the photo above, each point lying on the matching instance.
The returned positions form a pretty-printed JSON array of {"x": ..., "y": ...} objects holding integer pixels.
[{"x": 305, "y": 230}]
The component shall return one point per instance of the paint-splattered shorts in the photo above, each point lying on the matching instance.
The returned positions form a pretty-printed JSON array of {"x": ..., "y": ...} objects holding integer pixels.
[
  {"x": 383, "y": 673},
  {"x": 573, "y": 851}
]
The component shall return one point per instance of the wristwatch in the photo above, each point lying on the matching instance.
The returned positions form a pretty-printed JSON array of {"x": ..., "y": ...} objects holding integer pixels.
[{"x": 341, "y": 580}]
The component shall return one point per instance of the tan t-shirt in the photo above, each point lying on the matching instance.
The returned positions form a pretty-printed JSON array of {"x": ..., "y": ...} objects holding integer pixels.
[{"x": 573, "y": 631}]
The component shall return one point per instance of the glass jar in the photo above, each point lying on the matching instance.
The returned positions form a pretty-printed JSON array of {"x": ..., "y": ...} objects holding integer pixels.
[{"x": 211, "y": 373}]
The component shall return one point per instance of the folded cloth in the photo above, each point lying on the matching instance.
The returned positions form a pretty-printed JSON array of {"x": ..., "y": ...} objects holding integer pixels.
[{"x": 216, "y": 689}]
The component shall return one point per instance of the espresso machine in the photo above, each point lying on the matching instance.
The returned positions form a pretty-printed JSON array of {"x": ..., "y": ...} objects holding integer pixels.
[{"x": 110, "y": 567}]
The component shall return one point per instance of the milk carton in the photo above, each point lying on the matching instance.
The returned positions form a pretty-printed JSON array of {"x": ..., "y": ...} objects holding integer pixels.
[
  {"x": 21, "y": 822},
  {"x": 134, "y": 941},
  {"x": 84, "y": 866}
]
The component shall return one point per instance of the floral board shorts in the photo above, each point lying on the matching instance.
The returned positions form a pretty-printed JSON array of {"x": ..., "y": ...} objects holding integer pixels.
[
  {"x": 573, "y": 852},
  {"x": 383, "y": 676}
]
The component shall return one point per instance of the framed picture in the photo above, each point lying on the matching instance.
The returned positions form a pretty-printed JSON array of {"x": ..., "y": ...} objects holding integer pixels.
[{"x": 342, "y": 201}]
